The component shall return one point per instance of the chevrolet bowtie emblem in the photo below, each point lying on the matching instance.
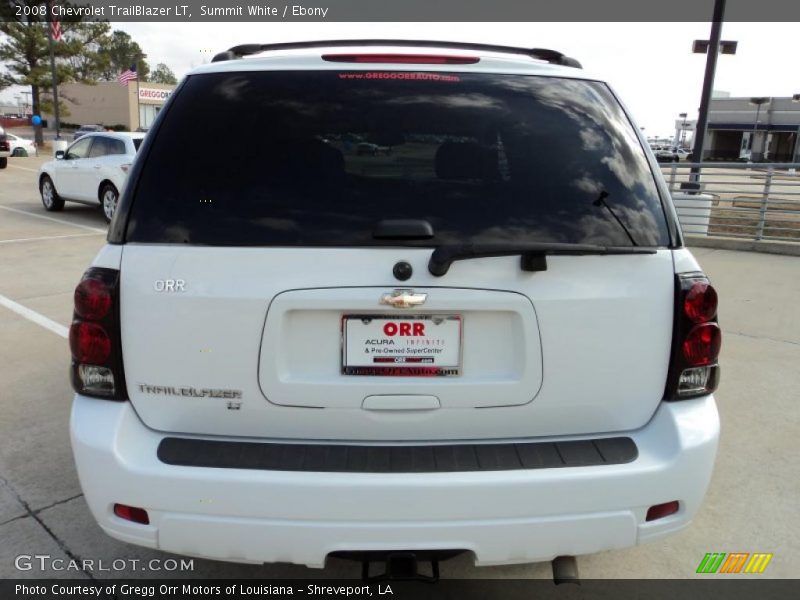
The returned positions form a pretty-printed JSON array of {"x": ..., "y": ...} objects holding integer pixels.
[{"x": 404, "y": 299}]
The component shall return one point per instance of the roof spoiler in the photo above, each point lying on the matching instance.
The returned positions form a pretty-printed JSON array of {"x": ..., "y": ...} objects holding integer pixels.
[{"x": 550, "y": 56}]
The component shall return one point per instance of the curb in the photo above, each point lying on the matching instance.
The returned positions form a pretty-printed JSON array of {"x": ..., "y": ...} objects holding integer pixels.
[{"x": 725, "y": 243}]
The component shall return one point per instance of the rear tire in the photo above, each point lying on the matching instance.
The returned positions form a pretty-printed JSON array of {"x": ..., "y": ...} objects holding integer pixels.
[
  {"x": 51, "y": 201},
  {"x": 3, "y": 162},
  {"x": 19, "y": 152},
  {"x": 109, "y": 197}
]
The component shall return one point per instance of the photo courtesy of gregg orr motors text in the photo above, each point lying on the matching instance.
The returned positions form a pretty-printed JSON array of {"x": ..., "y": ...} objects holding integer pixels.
[{"x": 238, "y": 589}]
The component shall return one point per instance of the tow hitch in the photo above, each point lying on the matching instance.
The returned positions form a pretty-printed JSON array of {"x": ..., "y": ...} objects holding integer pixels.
[
  {"x": 400, "y": 566},
  {"x": 565, "y": 570},
  {"x": 404, "y": 565}
]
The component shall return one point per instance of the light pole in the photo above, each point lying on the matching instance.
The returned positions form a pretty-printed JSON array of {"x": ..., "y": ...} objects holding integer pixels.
[
  {"x": 796, "y": 154},
  {"x": 683, "y": 128},
  {"x": 138, "y": 101},
  {"x": 757, "y": 102},
  {"x": 27, "y": 101},
  {"x": 712, "y": 48}
]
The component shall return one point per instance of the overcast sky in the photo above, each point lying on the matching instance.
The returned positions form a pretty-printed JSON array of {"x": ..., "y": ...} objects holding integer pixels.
[{"x": 650, "y": 65}]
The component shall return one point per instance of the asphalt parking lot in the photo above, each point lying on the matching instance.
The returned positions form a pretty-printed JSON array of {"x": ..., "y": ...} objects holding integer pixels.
[{"x": 752, "y": 505}]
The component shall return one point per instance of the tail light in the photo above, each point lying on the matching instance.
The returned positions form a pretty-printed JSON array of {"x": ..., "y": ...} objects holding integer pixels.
[
  {"x": 94, "y": 336},
  {"x": 132, "y": 513},
  {"x": 694, "y": 368},
  {"x": 407, "y": 59},
  {"x": 700, "y": 302},
  {"x": 659, "y": 511},
  {"x": 92, "y": 299},
  {"x": 89, "y": 343},
  {"x": 701, "y": 346}
]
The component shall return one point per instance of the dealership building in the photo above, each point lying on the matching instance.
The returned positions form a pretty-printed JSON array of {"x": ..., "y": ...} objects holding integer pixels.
[
  {"x": 761, "y": 129},
  {"x": 108, "y": 103}
]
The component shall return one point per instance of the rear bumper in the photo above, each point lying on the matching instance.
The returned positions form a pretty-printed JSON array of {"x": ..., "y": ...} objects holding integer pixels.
[{"x": 502, "y": 517}]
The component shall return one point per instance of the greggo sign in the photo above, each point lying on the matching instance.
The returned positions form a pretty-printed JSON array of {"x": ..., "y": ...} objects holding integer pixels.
[{"x": 156, "y": 95}]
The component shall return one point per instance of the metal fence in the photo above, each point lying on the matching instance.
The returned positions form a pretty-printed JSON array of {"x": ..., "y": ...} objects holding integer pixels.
[{"x": 755, "y": 201}]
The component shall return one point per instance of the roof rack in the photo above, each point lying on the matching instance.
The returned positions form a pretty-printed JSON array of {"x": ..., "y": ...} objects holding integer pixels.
[{"x": 550, "y": 56}]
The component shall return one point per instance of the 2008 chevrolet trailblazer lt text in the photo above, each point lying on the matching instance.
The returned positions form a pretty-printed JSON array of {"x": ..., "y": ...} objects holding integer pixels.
[{"x": 486, "y": 335}]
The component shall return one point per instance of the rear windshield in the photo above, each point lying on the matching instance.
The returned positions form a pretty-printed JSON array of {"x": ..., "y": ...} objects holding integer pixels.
[{"x": 317, "y": 158}]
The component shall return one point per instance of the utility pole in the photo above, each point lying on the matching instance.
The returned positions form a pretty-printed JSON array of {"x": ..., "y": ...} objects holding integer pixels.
[
  {"x": 757, "y": 102},
  {"x": 712, "y": 49},
  {"x": 683, "y": 128},
  {"x": 138, "y": 100},
  {"x": 53, "y": 75},
  {"x": 27, "y": 105}
]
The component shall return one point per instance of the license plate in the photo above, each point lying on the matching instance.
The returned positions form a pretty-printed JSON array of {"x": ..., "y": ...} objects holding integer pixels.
[{"x": 408, "y": 345}]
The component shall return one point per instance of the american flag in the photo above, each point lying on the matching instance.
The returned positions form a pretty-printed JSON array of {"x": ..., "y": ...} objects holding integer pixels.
[
  {"x": 55, "y": 29},
  {"x": 127, "y": 75},
  {"x": 55, "y": 26}
]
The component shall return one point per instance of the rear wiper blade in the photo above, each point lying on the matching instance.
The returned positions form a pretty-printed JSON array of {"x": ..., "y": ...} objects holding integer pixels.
[
  {"x": 601, "y": 201},
  {"x": 532, "y": 255}
]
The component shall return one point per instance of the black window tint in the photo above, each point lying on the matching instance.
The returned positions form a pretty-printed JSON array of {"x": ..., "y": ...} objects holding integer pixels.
[
  {"x": 116, "y": 147},
  {"x": 136, "y": 143},
  {"x": 106, "y": 146},
  {"x": 321, "y": 156},
  {"x": 79, "y": 149},
  {"x": 100, "y": 147}
]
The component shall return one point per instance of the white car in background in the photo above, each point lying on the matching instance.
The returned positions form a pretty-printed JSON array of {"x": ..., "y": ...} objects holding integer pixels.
[
  {"x": 21, "y": 146},
  {"x": 92, "y": 169},
  {"x": 681, "y": 153},
  {"x": 664, "y": 154},
  {"x": 5, "y": 148}
]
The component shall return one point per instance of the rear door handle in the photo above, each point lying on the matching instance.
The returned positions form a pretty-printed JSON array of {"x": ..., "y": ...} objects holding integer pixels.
[{"x": 401, "y": 402}]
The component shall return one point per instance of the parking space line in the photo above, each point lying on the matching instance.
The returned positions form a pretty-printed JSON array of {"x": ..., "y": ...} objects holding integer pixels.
[
  {"x": 23, "y": 168},
  {"x": 48, "y": 237},
  {"x": 61, "y": 221},
  {"x": 34, "y": 316}
]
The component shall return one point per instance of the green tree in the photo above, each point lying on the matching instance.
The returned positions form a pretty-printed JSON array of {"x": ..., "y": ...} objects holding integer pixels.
[
  {"x": 25, "y": 53},
  {"x": 118, "y": 52},
  {"x": 162, "y": 74},
  {"x": 89, "y": 62}
]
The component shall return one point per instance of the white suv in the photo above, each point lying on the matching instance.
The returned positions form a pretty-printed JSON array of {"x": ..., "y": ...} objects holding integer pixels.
[
  {"x": 487, "y": 338},
  {"x": 92, "y": 169}
]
